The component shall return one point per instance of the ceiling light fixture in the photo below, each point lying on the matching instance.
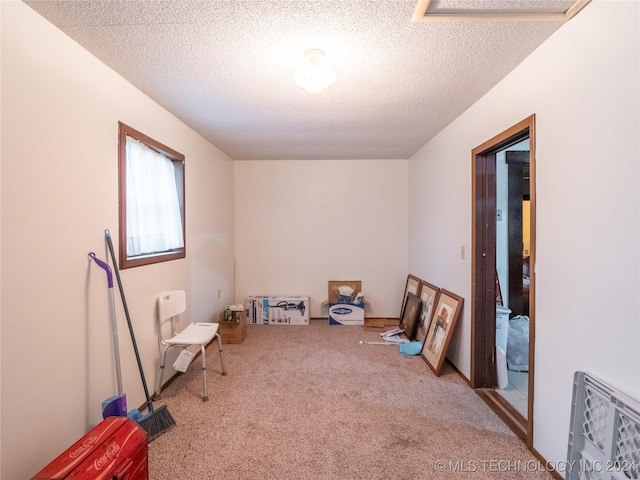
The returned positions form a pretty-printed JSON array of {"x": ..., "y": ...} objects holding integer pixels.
[{"x": 315, "y": 77}]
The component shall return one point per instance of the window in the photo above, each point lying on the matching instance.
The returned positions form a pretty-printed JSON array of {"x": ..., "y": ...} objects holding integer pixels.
[{"x": 151, "y": 197}]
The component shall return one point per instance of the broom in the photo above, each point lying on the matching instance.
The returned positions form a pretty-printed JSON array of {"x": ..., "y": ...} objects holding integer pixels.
[{"x": 156, "y": 421}]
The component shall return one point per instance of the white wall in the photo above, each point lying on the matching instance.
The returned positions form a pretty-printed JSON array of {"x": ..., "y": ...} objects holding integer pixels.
[
  {"x": 582, "y": 84},
  {"x": 300, "y": 224},
  {"x": 60, "y": 113}
]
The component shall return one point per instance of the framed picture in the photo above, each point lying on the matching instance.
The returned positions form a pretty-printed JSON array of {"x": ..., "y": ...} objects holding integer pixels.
[
  {"x": 410, "y": 314},
  {"x": 448, "y": 308},
  {"x": 412, "y": 286},
  {"x": 428, "y": 296}
]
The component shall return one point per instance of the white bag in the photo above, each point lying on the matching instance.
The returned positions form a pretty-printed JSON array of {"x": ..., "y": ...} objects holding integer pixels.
[{"x": 518, "y": 344}]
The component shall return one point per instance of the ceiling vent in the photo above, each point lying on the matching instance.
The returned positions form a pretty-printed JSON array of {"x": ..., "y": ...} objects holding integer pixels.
[{"x": 497, "y": 10}]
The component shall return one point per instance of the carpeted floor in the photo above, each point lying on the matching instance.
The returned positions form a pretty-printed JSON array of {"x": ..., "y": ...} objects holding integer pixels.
[{"x": 311, "y": 402}]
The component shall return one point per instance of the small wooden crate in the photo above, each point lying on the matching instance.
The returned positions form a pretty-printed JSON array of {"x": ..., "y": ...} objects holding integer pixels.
[{"x": 233, "y": 331}]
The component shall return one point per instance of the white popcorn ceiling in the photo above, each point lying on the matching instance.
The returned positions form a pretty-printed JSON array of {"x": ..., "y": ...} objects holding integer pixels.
[{"x": 225, "y": 68}]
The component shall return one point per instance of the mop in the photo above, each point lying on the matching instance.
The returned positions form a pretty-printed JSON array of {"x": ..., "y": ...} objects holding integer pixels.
[
  {"x": 115, "y": 406},
  {"x": 156, "y": 421}
]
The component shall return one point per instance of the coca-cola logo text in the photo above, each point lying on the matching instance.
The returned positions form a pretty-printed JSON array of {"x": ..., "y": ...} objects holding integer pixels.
[
  {"x": 88, "y": 443},
  {"x": 109, "y": 454}
]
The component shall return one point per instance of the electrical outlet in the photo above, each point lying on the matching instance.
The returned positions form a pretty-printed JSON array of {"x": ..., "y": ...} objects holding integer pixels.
[{"x": 462, "y": 252}]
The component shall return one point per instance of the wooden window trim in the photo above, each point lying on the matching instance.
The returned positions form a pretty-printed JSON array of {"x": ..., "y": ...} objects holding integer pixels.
[{"x": 174, "y": 156}]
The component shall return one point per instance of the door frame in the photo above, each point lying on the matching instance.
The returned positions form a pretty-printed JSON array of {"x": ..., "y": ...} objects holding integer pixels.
[{"x": 483, "y": 266}]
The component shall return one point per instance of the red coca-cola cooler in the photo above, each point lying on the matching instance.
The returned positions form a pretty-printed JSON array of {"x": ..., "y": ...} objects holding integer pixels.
[{"x": 116, "y": 448}]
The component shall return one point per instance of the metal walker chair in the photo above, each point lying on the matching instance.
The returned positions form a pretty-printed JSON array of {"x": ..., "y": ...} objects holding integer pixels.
[{"x": 170, "y": 306}]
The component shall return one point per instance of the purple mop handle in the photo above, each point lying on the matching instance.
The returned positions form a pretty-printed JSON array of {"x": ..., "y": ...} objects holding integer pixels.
[
  {"x": 106, "y": 267},
  {"x": 121, "y": 407}
]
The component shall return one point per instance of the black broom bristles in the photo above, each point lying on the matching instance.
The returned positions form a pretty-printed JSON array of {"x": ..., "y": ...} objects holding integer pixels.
[{"x": 157, "y": 422}]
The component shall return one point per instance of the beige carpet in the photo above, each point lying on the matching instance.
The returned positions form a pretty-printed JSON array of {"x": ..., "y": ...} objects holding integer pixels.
[{"x": 311, "y": 402}]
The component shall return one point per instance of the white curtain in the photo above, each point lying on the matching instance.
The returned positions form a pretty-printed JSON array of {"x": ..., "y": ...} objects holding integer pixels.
[{"x": 154, "y": 222}]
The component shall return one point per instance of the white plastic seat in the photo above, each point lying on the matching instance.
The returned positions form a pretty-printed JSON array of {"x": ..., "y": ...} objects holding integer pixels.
[{"x": 170, "y": 306}]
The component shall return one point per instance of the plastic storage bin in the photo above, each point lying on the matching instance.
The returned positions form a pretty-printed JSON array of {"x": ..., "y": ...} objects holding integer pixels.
[{"x": 604, "y": 435}]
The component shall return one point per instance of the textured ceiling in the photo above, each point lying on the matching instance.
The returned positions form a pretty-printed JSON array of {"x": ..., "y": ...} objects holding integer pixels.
[{"x": 225, "y": 68}]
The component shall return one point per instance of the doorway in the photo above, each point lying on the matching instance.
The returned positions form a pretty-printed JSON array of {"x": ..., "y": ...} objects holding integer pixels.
[
  {"x": 503, "y": 248},
  {"x": 513, "y": 244}
]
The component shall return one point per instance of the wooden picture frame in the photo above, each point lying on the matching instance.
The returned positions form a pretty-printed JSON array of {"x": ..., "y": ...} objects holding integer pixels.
[
  {"x": 410, "y": 315},
  {"x": 428, "y": 296},
  {"x": 445, "y": 317},
  {"x": 412, "y": 286}
]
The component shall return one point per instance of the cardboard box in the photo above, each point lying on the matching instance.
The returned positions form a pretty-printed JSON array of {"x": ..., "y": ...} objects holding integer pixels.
[
  {"x": 262, "y": 310},
  {"x": 250, "y": 310},
  {"x": 233, "y": 331},
  {"x": 341, "y": 312},
  {"x": 286, "y": 310},
  {"x": 253, "y": 308},
  {"x": 333, "y": 288},
  {"x": 346, "y": 314},
  {"x": 379, "y": 324},
  {"x": 277, "y": 310}
]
